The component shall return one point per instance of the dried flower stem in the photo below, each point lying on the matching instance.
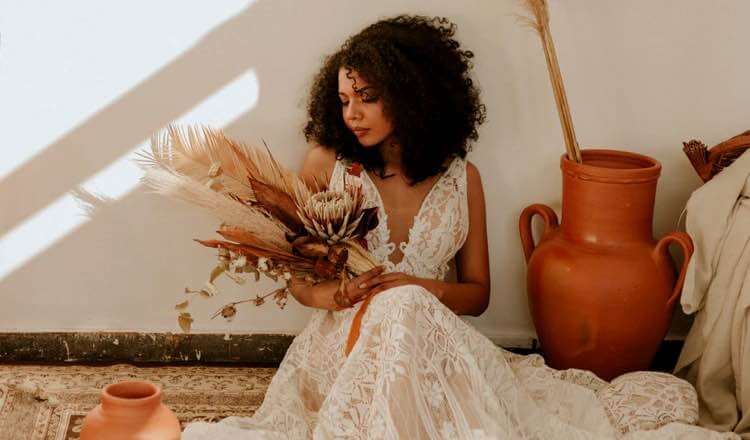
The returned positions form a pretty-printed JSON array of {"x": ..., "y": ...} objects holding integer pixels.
[
  {"x": 540, "y": 22},
  {"x": 257, "y": 299}
]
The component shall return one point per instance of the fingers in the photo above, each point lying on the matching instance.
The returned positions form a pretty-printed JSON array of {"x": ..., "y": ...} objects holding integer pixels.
[
  {"x": 380, "y": 279},
  {"x": 354, "y": 292},
  {"x": 368, "y": 275}
]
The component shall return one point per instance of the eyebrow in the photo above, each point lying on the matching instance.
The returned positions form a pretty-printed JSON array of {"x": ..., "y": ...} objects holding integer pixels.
[{"x": 363, "y": 89}]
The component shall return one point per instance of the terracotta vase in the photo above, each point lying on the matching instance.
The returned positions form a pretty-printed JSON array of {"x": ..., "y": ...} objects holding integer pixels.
[
  {"x": 601, "y": 289},
  {"x": 131, "y": 410}
]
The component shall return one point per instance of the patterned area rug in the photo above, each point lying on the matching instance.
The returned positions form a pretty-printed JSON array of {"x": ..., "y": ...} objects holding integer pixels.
[{"x": 64, "y": 395}]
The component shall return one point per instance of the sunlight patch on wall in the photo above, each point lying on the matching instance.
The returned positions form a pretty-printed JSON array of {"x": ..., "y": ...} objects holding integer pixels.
[
  {"x": 61, "y": 62},
  {"x": 122, "y": 176}
]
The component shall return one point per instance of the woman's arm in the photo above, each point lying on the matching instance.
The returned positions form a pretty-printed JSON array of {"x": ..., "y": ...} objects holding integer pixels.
[
  {"x": 318, "y": 165},
  {"x": 471, "y": 294}
]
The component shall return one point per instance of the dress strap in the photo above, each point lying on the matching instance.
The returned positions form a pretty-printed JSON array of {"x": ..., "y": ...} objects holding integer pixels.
[{"x": 337, "y": 175}]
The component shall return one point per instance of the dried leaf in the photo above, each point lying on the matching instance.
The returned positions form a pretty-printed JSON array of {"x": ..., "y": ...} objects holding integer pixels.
[
  {"x": 238, "y": 263},
  {"x": 254, "y": 252},
  {"x": 281, "y": 296},
  {"x": 182, "y": 305},
  {"x": 311, "y": 247},
  {"x": 218, "y": 270},
  {"x": 236, "y": 278},
  {"x": 228, "y": 311},
  {"x": 325, "y": 269},
  {"x": 185, "y": 320},
  {"x": 209, "y": 290},
  {"x": 338, "y": 254},
  {"x": 368, "y": 222},
  {"x": 280, "y": 204},
  {"x": 242, "y": 236}
]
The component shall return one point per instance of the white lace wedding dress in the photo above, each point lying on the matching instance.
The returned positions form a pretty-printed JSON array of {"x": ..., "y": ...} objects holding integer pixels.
[{"x": 418, "y": 371}]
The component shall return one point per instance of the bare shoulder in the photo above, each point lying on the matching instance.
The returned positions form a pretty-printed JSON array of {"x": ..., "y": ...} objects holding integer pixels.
[
  {"x": 473, "y": 179},
  {"x": 318, "y": 163},
  {"x": 474, "y": 190}
]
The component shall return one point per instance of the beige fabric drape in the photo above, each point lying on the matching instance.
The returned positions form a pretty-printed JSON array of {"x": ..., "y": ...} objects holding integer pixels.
[{"x": 716, "y": 355}]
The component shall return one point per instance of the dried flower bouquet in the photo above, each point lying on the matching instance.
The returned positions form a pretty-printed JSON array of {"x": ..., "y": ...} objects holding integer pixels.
[{"x": 272, "y": 222}]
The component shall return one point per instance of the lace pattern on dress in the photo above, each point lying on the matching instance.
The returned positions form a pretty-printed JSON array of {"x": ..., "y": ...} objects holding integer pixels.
[
  {"x": 418, "y": 371},
  {"x": 438, "y": 231}
]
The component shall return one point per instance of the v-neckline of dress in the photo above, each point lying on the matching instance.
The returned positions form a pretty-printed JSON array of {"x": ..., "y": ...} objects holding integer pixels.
[{"x": 387, "y": 239}]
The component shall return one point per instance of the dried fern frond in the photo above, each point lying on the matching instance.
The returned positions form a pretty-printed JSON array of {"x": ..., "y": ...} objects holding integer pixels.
[{"x": 539, "y": 21}]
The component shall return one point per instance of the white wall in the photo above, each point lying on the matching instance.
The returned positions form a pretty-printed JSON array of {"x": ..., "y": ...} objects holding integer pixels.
[{"x": 82, "y": 86}]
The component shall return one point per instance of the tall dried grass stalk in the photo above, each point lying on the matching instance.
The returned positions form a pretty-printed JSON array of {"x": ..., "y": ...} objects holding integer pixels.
[{"x": 539, "y": 21}]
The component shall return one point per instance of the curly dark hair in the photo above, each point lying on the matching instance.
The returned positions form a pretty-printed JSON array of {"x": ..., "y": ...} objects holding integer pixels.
[{"x": 423, "y": 78}]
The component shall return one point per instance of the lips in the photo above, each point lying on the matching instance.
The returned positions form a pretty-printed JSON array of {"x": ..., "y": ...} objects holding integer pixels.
[{"x": 360, "y": 131}]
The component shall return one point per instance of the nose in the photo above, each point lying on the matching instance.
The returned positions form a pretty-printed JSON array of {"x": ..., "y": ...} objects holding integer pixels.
[{"x": 352, "y": 111}]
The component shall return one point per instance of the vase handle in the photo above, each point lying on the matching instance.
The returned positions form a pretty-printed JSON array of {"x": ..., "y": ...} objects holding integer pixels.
[
  {"x": 686, "y": 244},
  {"x": 524, "y": 224}
]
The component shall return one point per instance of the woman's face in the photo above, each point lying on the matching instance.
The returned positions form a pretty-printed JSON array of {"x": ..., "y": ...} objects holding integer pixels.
[{"x": 363, "y": 109}]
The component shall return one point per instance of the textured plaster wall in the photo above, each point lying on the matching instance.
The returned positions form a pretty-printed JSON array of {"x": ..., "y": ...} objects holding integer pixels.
[{"x": 641, "y": 76}]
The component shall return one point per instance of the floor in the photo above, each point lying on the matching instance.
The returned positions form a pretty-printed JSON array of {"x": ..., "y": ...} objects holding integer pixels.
[{"x": 63, "y": 394}]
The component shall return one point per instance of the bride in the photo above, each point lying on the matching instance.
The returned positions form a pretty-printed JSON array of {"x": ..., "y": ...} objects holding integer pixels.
[{"x": 396, "y": 111}]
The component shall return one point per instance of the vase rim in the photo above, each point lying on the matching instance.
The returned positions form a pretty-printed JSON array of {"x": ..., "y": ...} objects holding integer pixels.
[
  {"x": 143, "y": 391},
  {"x": 612, "y": 166}
]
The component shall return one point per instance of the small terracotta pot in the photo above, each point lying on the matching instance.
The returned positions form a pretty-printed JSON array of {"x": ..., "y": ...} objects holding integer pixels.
[
  {"x": 601, "y": 289},
  {"x": 131, "y": 410}
]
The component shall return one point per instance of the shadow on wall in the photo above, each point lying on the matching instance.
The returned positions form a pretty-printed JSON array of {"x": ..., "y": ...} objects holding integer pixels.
[{"x": 118, "y": 259}]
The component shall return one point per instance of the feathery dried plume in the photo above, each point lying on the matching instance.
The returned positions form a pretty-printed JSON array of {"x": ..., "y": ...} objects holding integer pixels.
[
  {"x": 202, "y": 154},
  {"x": 226, "y": 209},
  {"x": 539, "y": 21}
]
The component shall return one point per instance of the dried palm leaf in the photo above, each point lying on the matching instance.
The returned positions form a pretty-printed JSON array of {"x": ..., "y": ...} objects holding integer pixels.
[
  {"x": 207, "y": 154},
  {"x": 539, "y": 21},
  {"x": 198, "y": 153},
  {"x": 228, "y": 210},
  {"x": 247, "y": 174}
]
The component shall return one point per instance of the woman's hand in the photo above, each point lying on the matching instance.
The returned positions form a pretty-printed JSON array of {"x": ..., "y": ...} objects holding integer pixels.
[
  {"x": 324, "y": 295},
  {"x": 390, "y": 280}
]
